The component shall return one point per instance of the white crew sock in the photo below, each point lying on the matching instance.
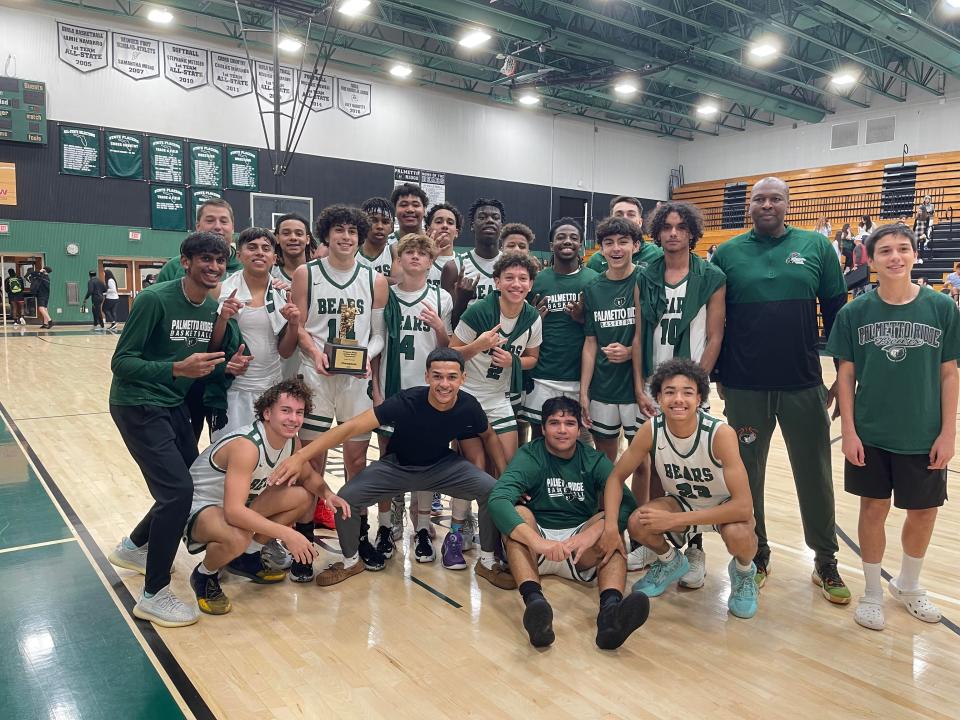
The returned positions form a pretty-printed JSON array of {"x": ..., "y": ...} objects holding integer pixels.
[
  {"x": 423, "y": 520},
  {"x": 744, "y": 569},
  {"x": 204, "y": 570},
  {"x": 349, "y": 562},
  {"x": 871, "y": 578},
  {"x": 668, "y": 555},
  {"x": 910, "y": 573},
  {"x": 253, "y": 547},
  {"x": 384, "y": 518},
  {"x": 486, "y": 559}
]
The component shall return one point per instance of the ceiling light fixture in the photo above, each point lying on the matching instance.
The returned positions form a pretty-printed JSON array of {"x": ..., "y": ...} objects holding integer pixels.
[
  {"x": 353, "y": 7},
  {"x": 288, "y": 44},
  {"x": 707, "y": 109},
  {"x": 474, "y": 37},
  {"x": 625, "y": 87},
  {"x": 843, "y": 78},
  {"x": 161, "y": 16},
  {"x": 401, "y": 71},
  {"x": 528, "y": 99},
  {"x": 764, "y": 50}
]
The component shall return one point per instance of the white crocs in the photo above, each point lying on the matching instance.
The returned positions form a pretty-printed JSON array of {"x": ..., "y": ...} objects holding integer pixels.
[
  {"x": 916, "y": 602},
  {"x": 869, "y": 614}
]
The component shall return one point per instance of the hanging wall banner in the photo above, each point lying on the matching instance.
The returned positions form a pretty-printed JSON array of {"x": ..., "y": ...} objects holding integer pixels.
[
  {"x": 206, "y": 165},
  {"x": 185, "y": 66},
  {"x": 317, "y": 91},
  {"x": 166, "y": 160},
  {"x": 353, "y": 98},
  {"x": 231, "y": 74},
  {"x": 79, "y": 151},
  {"x": 265, "y": 82},
  {"x": 434, "y": 184},
  {"x": 243, "y": 169},
  {"x": 124, "y": 153},
  {"x": 168, "y": 208},
  {"x": 198, "y": 198},
  {"x": 82, "y": 48},
  {"x": 137, "y": 57}
]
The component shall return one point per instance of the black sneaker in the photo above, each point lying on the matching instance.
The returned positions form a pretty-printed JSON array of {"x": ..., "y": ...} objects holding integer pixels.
[
  {"x": 424, "y": 550},
  {"x": 210, "y": 597},
  {"x": 617, "y": 621},
  {"x": 385, "y": 544},
  {"x": 371, "y": 559},
  {"x": 538, "y": 622},
  {"x": 301, "y": 573},
  {"x": 827, "y": 577},
  {"x": 250, "y": 566}
]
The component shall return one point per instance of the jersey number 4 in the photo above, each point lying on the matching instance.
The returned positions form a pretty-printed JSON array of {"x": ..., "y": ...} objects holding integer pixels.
[{"x": 407, "y": 348}]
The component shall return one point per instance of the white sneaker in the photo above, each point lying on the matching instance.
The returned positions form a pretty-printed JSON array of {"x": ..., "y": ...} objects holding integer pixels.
[
  {"x": 275, "y": 556},
  {"x": 698, "y": 568},
  {"x": 135, "y": 559},
  {"x": 640, "y": 557},
  {"x": 469, "y": 532},
  {"x": 166, "y": 609}
]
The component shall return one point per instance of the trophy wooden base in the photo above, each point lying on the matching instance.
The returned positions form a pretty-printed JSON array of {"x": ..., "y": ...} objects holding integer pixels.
[{"x": 345, "y": 358}]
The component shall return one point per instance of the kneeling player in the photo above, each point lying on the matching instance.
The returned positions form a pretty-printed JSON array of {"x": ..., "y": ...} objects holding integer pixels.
[
  {"x": 706, "y": 487},
  {"x": 556, "y": 531},
  {"x": 234, "y": 511}
]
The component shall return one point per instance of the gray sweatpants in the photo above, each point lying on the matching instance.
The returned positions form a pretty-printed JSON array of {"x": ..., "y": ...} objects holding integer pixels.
[{"x": 385, "y": 478}]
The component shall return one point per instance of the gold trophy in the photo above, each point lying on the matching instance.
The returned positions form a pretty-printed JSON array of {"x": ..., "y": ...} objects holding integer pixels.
[{"x": 344, "y": 354}]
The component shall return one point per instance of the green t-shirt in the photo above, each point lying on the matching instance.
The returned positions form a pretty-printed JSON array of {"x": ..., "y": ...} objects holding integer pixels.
[
  {"x": 610, "y": 315},
  {"x": 646, "y": 253},
  {"x": 163, "y": 328},
  {"x": 562, "y": 335},
  {"x": 563, "y": 493},
  {"x": 897, "y": 351},
  {"x": 173, "y": 270}
]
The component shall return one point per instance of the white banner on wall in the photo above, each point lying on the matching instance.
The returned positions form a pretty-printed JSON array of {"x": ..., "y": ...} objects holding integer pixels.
[
  {"x": 231, "y": 74},
  {"x": 265, "y": 82},
  {"x": 82, "y": 48},
  {"x": 353, "y": 97},
  {"x": 185, "y": 66},
  {"x": 317, "y": 91},
  {"x": 136, "y": 57}
]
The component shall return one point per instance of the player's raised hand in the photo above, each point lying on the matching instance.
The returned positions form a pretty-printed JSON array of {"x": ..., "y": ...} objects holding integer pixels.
[
  {"x": 490, "y": 339},
  {"x": 431, "y": 318},
  {"x": 280, "y": 284},
  {"x": 197, "y": 365},
  {"x": 501, "y": 358},
  {"x": 231, "y": 306},
  {"x": 238, "y": 364},
  {"x": 466, "y": 285},
  {"x": 291, "y": 313},
  {"x": 575, "y": 309},
  {"x": 540, "y": 303}
]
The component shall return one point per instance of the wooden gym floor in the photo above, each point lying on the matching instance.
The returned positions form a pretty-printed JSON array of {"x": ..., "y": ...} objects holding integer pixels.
[{"x": 413, "y": 640}]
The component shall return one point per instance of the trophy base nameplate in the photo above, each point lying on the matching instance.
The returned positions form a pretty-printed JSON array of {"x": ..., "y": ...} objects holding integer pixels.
[{"x": 344, "y": 358}]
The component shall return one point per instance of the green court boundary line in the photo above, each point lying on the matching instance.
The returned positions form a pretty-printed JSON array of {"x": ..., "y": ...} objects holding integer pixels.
[{"x": 188, "y": 691}]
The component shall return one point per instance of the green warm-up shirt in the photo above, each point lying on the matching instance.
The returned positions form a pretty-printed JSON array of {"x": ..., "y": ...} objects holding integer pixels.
[
  {"x": 896, "y": 351},
  {"x": 562, "y": 335},
  {"x": 609, "y": 314},
  {"x": 646, "y": 253},
  {"x": 563, "y": 493},
  {"x": 163, "y": 328}
]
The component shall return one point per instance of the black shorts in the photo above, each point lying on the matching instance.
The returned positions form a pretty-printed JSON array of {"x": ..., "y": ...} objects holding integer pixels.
[{"x": 913, "y": 486}]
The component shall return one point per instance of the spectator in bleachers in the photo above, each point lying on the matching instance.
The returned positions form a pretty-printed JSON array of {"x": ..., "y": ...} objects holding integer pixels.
[
  {"x": 866, "y": 227},
  {"x": 824, "y": 227},
  {"x": 923, "y": 227},
  {"x": 953, "y": 281},
  {"x": 922, "y": 282},
  {"x": 710, "y": 251},
  {"x": 836, "y": 243},
  {"x": 846, "y": 247}
]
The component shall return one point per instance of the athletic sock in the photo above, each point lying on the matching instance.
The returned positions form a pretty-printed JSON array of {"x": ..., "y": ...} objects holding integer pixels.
[
  {"x": 744, "y": 569},
  {"x": 349, "y": 562},
  {"x": 487, "y": 558},
  {"x": 204, "y": 570},
  {"x": 610, "y": 596},
  {"x": 383, "y": 518},
  {"x": 128, "y": 544},
  {"x": 669, "y": 555},
  {"x": 253, "y": 547},
  {"x": 456, "y": 526},
  {"x": 306, "y": 529},
  {"x": 530, "y": 590},
  {"x": 423, "y": 520},
  {"x": 910, "y": 573},
  {"x": 148, "y": 595},
  {"x": 871, "y": 576}
]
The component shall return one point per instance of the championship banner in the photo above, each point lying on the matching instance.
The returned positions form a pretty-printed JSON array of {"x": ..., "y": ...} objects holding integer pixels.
[
  {"x": 82, "y": 48},
  {"x": 198, "y": 198},
  {"x": 265, "y": 82},
  {"x": 231, "y": 74},
  {"x": 185, "y": 66},
  {"x": 168, "y": 208},
  {"x": 206, "y": 165},
  {"x": 124, "y": 153},
  {"x": 243, "y": 169},
  {"x": 318, "y": 92},
  {"x": 166, "y": 160},
  {"x": 136, "y": 57},
  {"x": 79, "y": 151},
  {"x": 353, "y": 98}
]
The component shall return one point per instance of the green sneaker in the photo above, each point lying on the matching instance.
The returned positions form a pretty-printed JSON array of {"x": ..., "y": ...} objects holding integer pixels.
[
  {"x": 763, "y": 570},
  {"x": 661, "y": 575},
  {"x": 743, "y": 591},
  {"x": 831, "y": 584}
]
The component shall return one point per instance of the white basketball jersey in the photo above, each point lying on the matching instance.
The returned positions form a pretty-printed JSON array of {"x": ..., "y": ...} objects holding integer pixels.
[
  {"x": 687, "y": 466},
  {"x": 208, "y": 477},
  {"x": 665, "y": 333},
  {"x": 475, "y": 266},
  {"x": 436, "y": 269},
  {"x": 382, "y": 263},
  {"x": 484, "y": 379},
  {"x": 417, "y": 338},
  {"x": 327, "y": 291}
]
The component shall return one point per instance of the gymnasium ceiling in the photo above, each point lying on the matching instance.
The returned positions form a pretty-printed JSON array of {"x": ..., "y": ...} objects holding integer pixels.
[{"x": 570, "y": 54}]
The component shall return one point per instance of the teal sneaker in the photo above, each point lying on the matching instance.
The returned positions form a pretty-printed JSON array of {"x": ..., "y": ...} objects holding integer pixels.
[
  {"x": 661, "y": 575},
  {"x": 743, "y": 591}
]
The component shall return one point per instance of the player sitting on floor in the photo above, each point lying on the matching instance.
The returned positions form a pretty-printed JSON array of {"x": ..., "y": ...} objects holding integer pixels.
[
  {"x": 556, "y": 531},
  {"x": 234, "y": 511},
  {"x": 698, "y": 460}
]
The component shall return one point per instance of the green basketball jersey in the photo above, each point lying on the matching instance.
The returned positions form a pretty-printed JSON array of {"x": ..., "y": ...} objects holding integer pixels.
[
  {"x": 610, "y": 315},
  {"x": 897, "y": 351},
  {"x": 562, "y": 335}
]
